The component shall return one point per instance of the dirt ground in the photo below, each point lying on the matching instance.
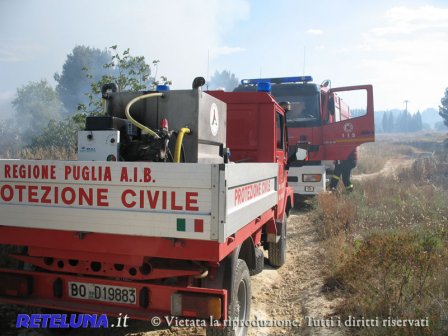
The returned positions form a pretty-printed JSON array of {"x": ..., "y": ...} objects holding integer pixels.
[{"x": 294, "y": 291}]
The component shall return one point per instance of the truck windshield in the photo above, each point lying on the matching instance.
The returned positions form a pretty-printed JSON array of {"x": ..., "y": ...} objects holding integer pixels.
[
  {"x": 304, "y": 109},
  {"x": 304, "y": 99}
]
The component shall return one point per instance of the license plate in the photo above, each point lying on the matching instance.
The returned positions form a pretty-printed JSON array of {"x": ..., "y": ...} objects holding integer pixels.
[
  {"x": 89, "y": 291},
  {"x": 307, "y": 188}
]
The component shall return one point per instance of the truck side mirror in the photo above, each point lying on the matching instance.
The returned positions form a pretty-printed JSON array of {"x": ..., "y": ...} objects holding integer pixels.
[
  {"x": 301, "y": 154},
  {"x": 286, "y": 106}
]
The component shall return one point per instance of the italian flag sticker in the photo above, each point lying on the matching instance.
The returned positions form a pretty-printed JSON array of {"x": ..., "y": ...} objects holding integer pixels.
[{"x": 190, "y": 225}]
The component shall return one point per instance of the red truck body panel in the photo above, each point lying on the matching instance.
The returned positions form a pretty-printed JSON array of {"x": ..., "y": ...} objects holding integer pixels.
[
  {"x": 253, "y": 135},
  {"x": 335, "y": 140}
]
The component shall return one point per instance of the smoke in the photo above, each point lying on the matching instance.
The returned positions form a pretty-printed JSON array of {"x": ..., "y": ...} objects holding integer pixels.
[{"x": 6, "y": 110}]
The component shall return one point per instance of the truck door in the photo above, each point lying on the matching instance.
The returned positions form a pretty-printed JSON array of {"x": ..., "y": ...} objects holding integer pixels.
[
  {"x": 280, "y": 154},
  {"x": 353, "y": 126}
]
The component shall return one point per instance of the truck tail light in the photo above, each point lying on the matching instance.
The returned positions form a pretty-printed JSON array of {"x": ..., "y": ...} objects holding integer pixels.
[
  {"x": 15, "y": 285},
  {"x": 196, "y": 305},
  {"x": 311, "y": 177}
]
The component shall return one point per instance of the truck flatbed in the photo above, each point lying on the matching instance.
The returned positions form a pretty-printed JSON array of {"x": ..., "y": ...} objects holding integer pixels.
[{"x": 194, "y": 201}]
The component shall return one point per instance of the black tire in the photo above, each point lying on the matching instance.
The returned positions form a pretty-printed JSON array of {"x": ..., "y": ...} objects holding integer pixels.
[
  {"x": 277, "y": 251},
  {"x": 239, "y": 303},
  {"x": 259, "y": 262}
]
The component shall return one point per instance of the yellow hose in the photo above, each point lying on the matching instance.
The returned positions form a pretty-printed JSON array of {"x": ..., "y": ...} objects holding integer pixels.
[
  {"x": 179, "y": 140},
  {"x": 135, "y": 122}
]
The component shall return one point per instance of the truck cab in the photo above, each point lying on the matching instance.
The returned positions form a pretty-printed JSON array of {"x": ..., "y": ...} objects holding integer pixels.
[{"x": 320, "y": 121}]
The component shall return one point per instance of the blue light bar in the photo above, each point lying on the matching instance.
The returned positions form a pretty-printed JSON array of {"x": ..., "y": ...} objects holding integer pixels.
[
  {"x": 279, "y": 80},
  {"x": 264, "y": 87}
]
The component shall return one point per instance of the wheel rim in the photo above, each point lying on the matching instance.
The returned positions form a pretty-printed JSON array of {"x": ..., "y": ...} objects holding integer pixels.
[{"x": 242, "y": 306}]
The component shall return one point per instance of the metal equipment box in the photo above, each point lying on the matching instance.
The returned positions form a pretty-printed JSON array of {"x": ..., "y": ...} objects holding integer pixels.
[{"x": 205, "y": 115}]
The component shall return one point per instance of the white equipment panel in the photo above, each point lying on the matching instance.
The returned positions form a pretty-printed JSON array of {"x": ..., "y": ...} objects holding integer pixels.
[{"x": 98, "y": 145}]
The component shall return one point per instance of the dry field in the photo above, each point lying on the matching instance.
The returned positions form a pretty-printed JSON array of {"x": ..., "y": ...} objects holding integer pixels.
[{"x": 387, "y": 242}]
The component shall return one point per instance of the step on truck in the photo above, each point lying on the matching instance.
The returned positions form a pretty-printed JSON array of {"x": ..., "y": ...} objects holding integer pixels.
[{"x": 166, "y": 212}]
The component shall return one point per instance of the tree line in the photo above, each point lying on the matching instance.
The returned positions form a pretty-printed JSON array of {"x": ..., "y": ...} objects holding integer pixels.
[
  {"x": 51, "y": 117},
  {"x": 401, "y": 122}
]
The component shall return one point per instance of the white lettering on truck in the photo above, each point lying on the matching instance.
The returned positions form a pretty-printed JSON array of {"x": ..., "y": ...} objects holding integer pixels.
[
  {"x": 251, "y": 191},
  {"x": 59, "y": 185}
]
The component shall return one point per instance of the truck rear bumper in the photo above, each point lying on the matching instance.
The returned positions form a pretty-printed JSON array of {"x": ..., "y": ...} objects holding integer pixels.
[{"x": 57, "y": 291}]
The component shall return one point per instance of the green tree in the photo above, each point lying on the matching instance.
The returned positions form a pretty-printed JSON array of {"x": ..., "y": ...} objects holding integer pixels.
[
  {"x": 128, "y": 72},
  {"x": 62, "y": 133},
  {"x": 417, "y": 122},
  {"x": 223, "y": 80},
  {"x": 72, "y": 83},
  {"x": 388, "y": 122},
  {"x": 35, "y": 105},
  {"x": 443, "y": 108},
  {"x": 402, "y": 122}
]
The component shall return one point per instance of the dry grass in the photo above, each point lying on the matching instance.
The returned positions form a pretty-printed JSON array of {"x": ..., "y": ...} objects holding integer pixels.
[
  {"x": 387, "y": 245},
  {"x": 373, "y": 156},
  {"x": 52, "y": 153},
  {"x": 399, "y": 274},
  {"x": 337, "y": 214}
]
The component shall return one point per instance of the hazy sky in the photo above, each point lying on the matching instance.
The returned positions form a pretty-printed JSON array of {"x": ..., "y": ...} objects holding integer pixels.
[{"x": 401, "y": 47}]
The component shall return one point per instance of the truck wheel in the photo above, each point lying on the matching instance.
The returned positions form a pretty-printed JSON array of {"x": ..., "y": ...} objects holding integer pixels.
[
  {"x": 259, "y": 262},
  {"x": 239, "y": 304},
  {"x": 277, "y": 251}
]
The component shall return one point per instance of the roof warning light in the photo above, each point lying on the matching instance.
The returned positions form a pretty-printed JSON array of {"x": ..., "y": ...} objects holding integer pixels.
[{"x": 279, "y": 80}]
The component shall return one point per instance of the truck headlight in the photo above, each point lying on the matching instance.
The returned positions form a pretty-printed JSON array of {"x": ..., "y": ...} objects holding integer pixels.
[{"x": 311, "y": 177}]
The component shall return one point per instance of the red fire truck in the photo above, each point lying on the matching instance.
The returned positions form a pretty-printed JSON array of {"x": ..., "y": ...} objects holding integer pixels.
[
  {"x": 321, "y": 122},
  {"x": 166, "y": 213}
]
